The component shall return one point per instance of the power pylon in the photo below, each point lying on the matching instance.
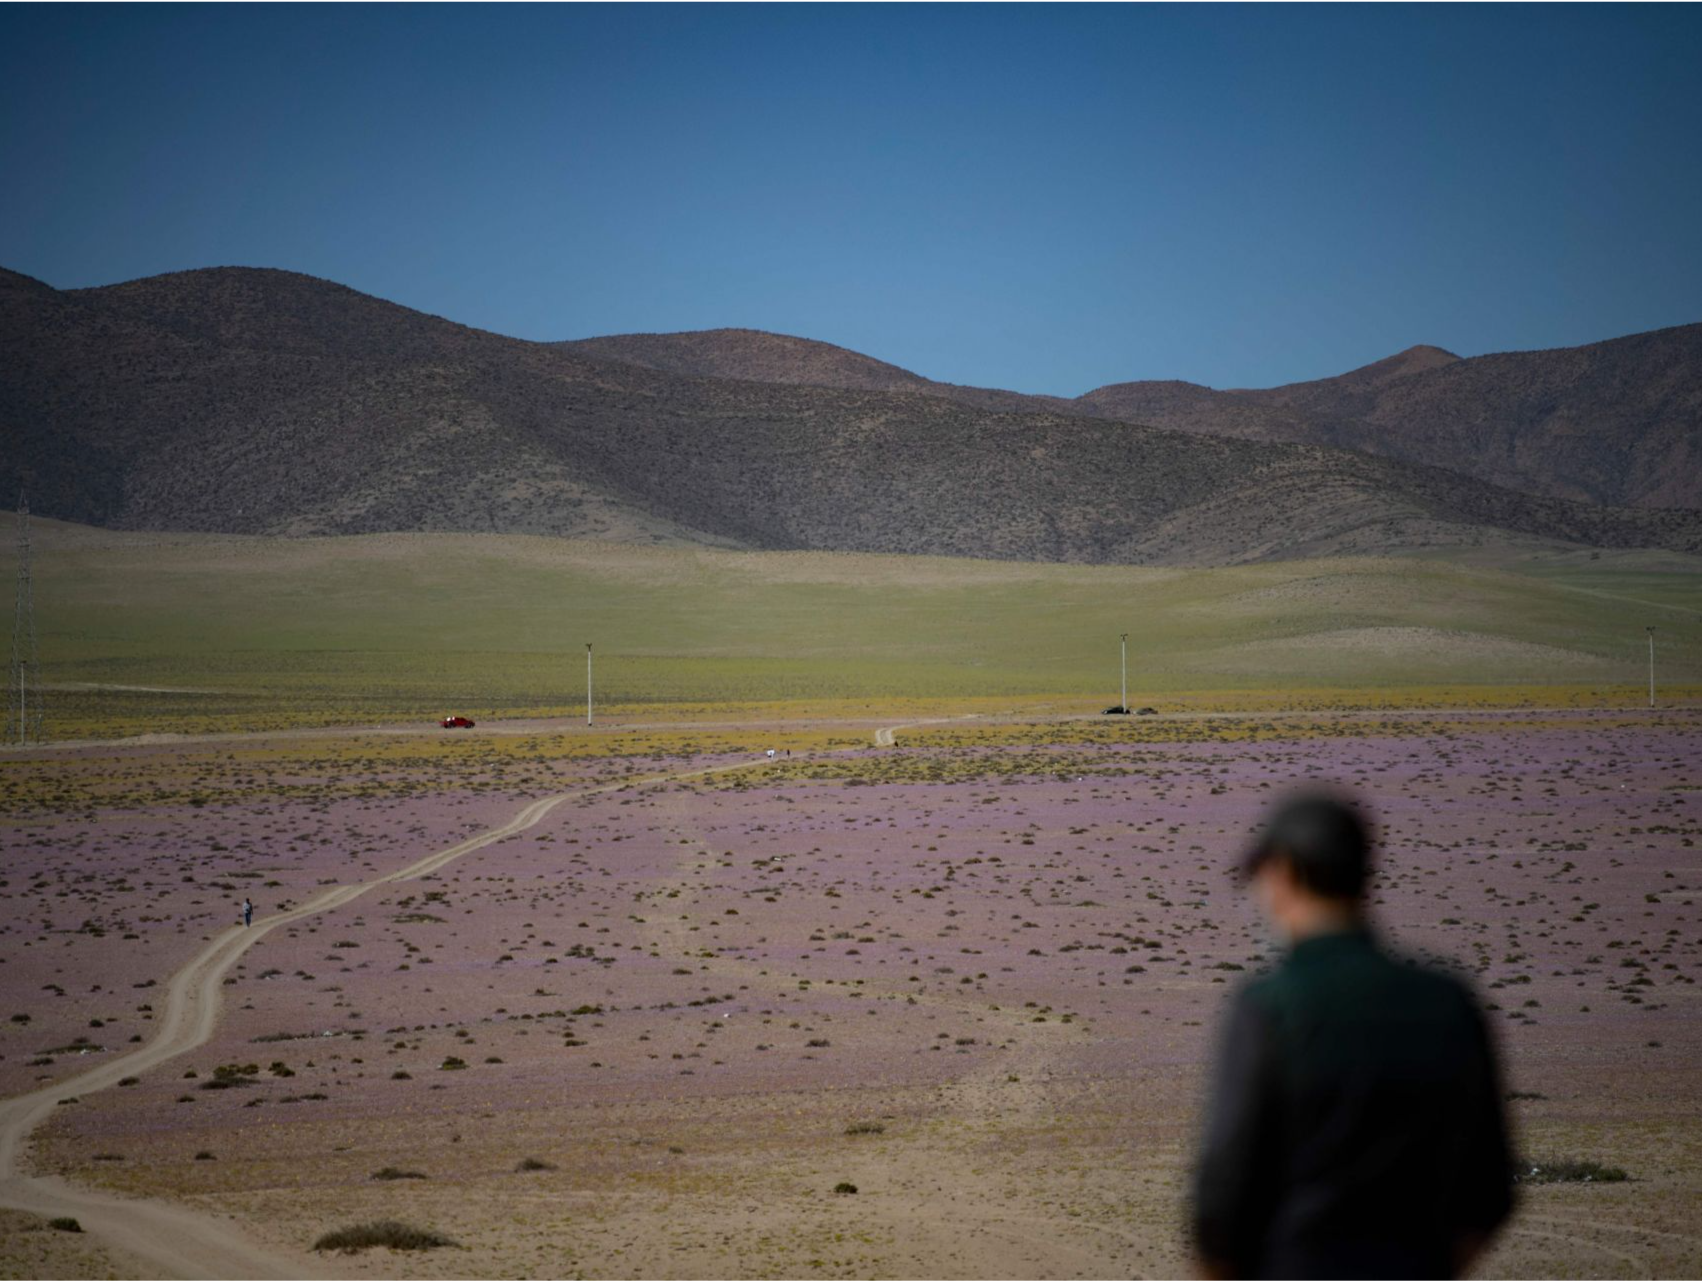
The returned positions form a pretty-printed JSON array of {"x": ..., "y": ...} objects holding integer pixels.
[{"x": 23, "y": 691}]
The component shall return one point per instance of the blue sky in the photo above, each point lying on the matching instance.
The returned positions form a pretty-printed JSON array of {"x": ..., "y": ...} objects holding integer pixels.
[{"x": 1041, "y": 198}]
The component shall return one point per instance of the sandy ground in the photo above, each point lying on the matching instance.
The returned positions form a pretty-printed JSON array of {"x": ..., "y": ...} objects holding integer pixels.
[{"x": 981, "y": 990}]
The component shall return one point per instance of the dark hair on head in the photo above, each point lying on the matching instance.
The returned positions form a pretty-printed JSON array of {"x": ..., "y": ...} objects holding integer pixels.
[{"x": 1326, "y": 840}]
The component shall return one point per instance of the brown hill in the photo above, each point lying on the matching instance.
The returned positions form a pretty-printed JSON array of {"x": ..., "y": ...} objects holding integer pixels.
[
  {"x": 1414, "y": 360},
  {"x": 1616, "y": 422},
  {"x": 1183, "y": 406},
  {"x": 751, "y": 355},
  {"x": 266, "y": 402},
  {"x": 1611, "y": 422}
]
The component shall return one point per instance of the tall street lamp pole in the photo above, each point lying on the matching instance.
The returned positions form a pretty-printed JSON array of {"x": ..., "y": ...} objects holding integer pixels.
[
  {"x": 587, "y": 682},
  {"x": 1125, "y": 702}
]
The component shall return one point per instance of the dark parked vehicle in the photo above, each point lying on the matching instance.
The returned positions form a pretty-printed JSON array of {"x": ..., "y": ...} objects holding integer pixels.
[
  {"x": 1116, "y": 711},
  {"x": 456, "y": 722}
]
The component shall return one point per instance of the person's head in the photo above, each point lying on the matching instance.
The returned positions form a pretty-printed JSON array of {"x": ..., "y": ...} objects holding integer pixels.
[{"x": 1310, "y": 864}]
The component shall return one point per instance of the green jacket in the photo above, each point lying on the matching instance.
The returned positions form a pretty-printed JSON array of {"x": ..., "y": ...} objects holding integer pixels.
[{"x": 1356, "y": 1125}]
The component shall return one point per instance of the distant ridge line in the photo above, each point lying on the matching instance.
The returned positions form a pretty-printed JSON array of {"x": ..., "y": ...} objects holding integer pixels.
[{"x": 268, "y": 402}]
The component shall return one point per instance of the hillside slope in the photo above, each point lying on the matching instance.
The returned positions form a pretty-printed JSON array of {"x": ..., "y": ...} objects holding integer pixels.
[
  {"x": 148, "y": 632},
  {"x": 751, "y": 355},
  {"x": 1611, "y": 422},
  {"x": 1617, "y": 422},
  {"x": 256, "y": 401}
]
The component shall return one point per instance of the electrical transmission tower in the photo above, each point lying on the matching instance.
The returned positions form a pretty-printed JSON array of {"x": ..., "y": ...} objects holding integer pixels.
[{"x": 23, "y": 690}]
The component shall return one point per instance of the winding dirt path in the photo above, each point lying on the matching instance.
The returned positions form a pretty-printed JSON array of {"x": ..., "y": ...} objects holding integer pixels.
[
  {"x": 884, "y": 737},
  {"x": 176, "y": 1239}
]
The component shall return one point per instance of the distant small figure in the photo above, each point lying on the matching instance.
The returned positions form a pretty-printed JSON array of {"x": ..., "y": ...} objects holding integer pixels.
[
  {"x": 248, "y": 911},
  {"x": 1355, "y": 1126}
]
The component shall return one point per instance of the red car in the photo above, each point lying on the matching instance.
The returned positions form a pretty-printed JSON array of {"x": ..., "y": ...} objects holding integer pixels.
[{"x": 456, "y": 722}]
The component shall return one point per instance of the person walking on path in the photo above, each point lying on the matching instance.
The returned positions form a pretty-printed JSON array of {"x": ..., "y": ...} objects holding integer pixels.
[
  {"x": 1355, "y": 1126},
  {"x": 248, "y": 911}
]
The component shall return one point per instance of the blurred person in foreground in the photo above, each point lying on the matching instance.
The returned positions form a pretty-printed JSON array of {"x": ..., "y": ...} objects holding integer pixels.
[{"x": 1355, "y": 1126}]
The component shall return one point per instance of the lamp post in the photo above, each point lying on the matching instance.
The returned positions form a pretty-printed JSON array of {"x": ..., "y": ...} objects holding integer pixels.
[
  {"x": 587, "y": 683},
  {"x": 1651, "y": 632},
  {"x": 1125, "y": 703}
]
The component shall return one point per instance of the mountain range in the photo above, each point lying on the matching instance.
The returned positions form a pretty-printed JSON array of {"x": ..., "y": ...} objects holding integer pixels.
[
  {"x": 1617, "y": 423},
  {"x": 260, "y": 401}
]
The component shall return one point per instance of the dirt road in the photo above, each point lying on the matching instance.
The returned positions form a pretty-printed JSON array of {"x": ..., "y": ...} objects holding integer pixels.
[{"x": 883, "y": 736}]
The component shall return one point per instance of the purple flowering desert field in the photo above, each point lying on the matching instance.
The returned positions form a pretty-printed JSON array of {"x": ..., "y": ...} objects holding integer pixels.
[{"x": 939, "y": 1007}]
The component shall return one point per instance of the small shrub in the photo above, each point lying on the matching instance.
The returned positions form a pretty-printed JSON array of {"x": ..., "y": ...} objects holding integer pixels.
[
  {"x": 65, "y": 1225},
  {"x": 865, "y": 1127},
  {"x": 452, "y": 1064},
  {"x": 532, "y": 1163},
  {"x": 204, "y": 1155},
  {"x": 1566, "y": 1171},
  {"x": 845, "y": 1189},
  {"x": 381, "y": 1232},
  {"x": 230, "y": 1076},
  {"x": 390, "y": 1173}
]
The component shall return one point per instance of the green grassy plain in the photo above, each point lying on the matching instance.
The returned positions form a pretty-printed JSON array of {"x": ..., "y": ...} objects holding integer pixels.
[{"x": 217, "y": 633}]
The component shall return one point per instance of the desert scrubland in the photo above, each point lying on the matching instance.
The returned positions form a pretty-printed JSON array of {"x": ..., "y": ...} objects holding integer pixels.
[{"x": 974, "y": 976}]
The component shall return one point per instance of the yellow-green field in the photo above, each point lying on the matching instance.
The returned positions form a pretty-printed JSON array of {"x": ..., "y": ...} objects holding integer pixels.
[{"x": 185, "y": 633}]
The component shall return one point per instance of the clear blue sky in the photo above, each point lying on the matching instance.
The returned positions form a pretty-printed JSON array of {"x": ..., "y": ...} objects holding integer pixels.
[{"x": 1047, "y": 199}]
